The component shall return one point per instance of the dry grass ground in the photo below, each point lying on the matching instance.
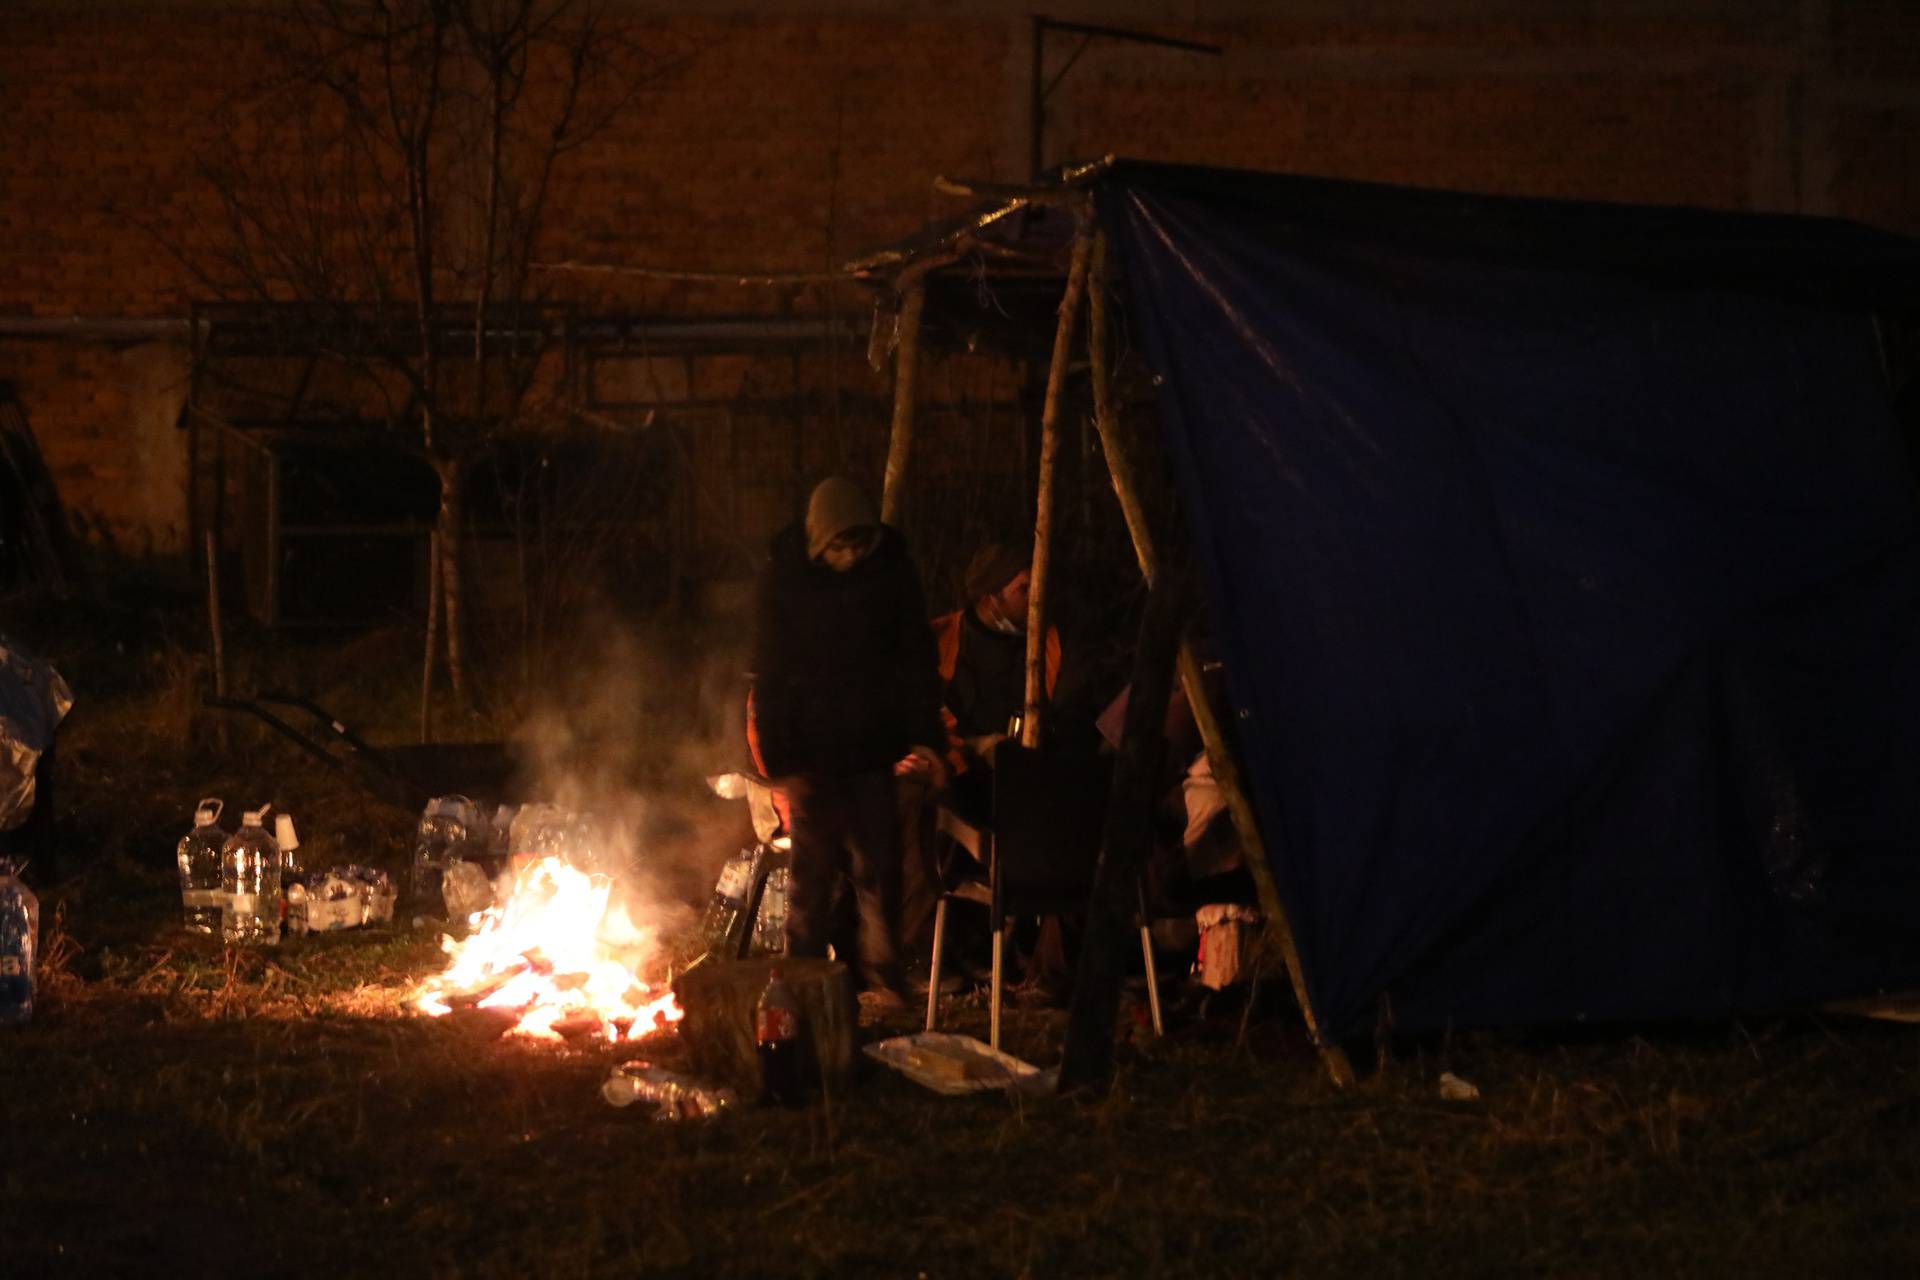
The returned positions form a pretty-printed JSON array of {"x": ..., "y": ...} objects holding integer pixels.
[{"x": 176, "y": 1108}]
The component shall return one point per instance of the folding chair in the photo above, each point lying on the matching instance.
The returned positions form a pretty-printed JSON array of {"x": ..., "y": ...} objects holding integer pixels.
[{"x": 1037, "y": 850}]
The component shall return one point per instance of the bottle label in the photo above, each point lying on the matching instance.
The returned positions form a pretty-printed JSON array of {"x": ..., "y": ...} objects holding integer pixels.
[
  {"x": 734, "y": 881},
  {"x": 326, "y": 914},
  {"x": 196, "y": 898},
  {"x": 775, "y": 1025},
  {"x": 244, "y": 904}
]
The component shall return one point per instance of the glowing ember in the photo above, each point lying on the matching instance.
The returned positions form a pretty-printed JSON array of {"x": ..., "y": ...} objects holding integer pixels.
[{"x": 545, "y": 955}]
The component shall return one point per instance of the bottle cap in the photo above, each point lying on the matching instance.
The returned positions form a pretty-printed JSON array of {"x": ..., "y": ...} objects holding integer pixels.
[
  {"x": 253, "y": 817},
  {"x": 283, "y": 833},
  {"x": 208, "y": 813}
]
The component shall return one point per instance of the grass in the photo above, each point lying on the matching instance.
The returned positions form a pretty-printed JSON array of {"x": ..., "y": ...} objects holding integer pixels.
[{"x": 181, "y": 1108}]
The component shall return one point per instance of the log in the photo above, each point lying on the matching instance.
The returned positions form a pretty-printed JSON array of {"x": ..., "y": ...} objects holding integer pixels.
[
  {"x": 1126, "y": 840},
  {"x": 218, "y": 633},
  {"x": 906, "y": 362},
  {"x": 1123, "y": 468},
  {"x": 719, "y": 998},
  {"x": 1043, "y": 503}
]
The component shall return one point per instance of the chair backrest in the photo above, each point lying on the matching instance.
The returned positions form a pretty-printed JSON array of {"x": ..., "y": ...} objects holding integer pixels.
[{"x": 1049, "y": 809}]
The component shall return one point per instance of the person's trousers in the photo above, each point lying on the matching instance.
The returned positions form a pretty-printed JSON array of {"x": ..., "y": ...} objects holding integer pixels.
[
  {"x": 845, "y": 825},
  {"x": 919, "y": 866}
]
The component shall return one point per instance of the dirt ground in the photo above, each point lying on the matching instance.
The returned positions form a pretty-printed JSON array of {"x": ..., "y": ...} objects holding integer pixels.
[{"x": 177, "y": 1108}]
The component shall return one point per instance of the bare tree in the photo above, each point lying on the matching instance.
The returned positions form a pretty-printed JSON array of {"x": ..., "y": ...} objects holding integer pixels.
[{"x": 392, "y": 175}]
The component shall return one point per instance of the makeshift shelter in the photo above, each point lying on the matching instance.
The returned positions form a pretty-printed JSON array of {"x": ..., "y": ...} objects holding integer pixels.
[{"x": 1562, "y": 559}]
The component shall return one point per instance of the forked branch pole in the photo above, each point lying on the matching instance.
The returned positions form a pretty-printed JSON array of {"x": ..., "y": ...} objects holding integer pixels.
[
  {"x": 1043, "y": 514},
  {"x": 1122, "y": 466},
  {"x": 906, "y": 363}
]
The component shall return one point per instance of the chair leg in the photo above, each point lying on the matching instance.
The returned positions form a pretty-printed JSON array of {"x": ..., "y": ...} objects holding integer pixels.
[
  {"x": 933, "y": 965},
  {"x": 1153, "y": 980},
  {"x": 999, "y": 956}
]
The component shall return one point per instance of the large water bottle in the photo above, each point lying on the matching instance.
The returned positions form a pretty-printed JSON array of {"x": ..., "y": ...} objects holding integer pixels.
[
  {"x": 250, "y": 879},
  {"x": 19, "y": 933},
  {"x": 451, "y": 830},
  {"x": 555, "y": 831},
  {"x": 199, "y": 859},
  {"x": 770, "y": 922}
]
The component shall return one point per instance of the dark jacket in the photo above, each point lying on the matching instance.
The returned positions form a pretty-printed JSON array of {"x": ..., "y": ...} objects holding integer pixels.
[
  {"x": 845, "y": 678},
  {"x": 983, "y": 672}
]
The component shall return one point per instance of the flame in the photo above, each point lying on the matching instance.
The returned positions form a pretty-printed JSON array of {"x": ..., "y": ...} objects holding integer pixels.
[{"x": 544, "y": 956}]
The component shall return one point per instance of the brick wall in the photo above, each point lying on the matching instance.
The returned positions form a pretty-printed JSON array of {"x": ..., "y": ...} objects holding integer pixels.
[{"x": 798, "y": 134}]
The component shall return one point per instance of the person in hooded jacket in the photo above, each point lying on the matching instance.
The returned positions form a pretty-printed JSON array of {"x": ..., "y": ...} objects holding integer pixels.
[
  {"x": 982, "y": 650},
  {"x": 846, "y": 696}
]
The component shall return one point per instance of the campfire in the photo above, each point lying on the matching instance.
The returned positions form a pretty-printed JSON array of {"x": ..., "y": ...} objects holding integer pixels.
[{"x": 556, "y": 959}]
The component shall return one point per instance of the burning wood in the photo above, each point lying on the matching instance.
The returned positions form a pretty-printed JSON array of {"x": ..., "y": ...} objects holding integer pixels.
[{"x": 542, "y": 956}]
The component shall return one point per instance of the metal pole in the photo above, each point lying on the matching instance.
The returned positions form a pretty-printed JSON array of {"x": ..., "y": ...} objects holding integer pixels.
[{"x": 1037, "y": 102}]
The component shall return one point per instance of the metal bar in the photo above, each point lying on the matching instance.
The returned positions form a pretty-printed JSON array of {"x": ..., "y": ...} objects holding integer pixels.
[
  {"x": 1153, "y": 979},
  {"x": 1037, "y": 101},
  {"x": 1146, "y": 957},
  {"x": 1130, "y": 36},
  {"x": 999, "y": 985},
  {"x": 97, "y": 328},
  {"x": 311, "y": 747},
  {"x": 1061, "y": 74},
  {"x": 1039, "y": 92},
  {"x": 933, "y": 964}
]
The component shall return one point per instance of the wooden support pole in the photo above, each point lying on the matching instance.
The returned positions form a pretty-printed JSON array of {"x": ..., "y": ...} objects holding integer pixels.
[
  {"x": 217, "y": 631},
  {"x": 1123, "y": 467},
  {"x": 1279, "y": 940},
  {"x": 1043, "y": 515},
  {"x": 433, "y": 636},
  {"x": 906, "y": 363},
  {"x": 1126, "y": 841}
]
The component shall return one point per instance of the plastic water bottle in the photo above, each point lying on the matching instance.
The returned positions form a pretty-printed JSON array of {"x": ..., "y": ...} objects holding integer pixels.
[
  {"x": 250, "y": 881},
  {"x": 776, "y": 1039},
  {"x": 726, "y": 913},
  {"x": 199, "y": 859},
  {"x": 19, "y": 934},
  {"x": 770, "y": 924},
  {"x": 450, "y": 829},
  {"x": 465, "y": 890}
]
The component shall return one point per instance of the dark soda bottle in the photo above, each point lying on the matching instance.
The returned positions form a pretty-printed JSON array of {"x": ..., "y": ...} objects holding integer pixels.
[{"x": 776, "y": 1036}]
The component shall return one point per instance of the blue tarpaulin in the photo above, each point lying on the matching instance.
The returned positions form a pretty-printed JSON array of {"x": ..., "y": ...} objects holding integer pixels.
[{"x": 1562, "y": 557}]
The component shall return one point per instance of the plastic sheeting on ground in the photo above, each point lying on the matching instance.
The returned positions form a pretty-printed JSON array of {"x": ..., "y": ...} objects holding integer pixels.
[{"x": 33, "y": 701}]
